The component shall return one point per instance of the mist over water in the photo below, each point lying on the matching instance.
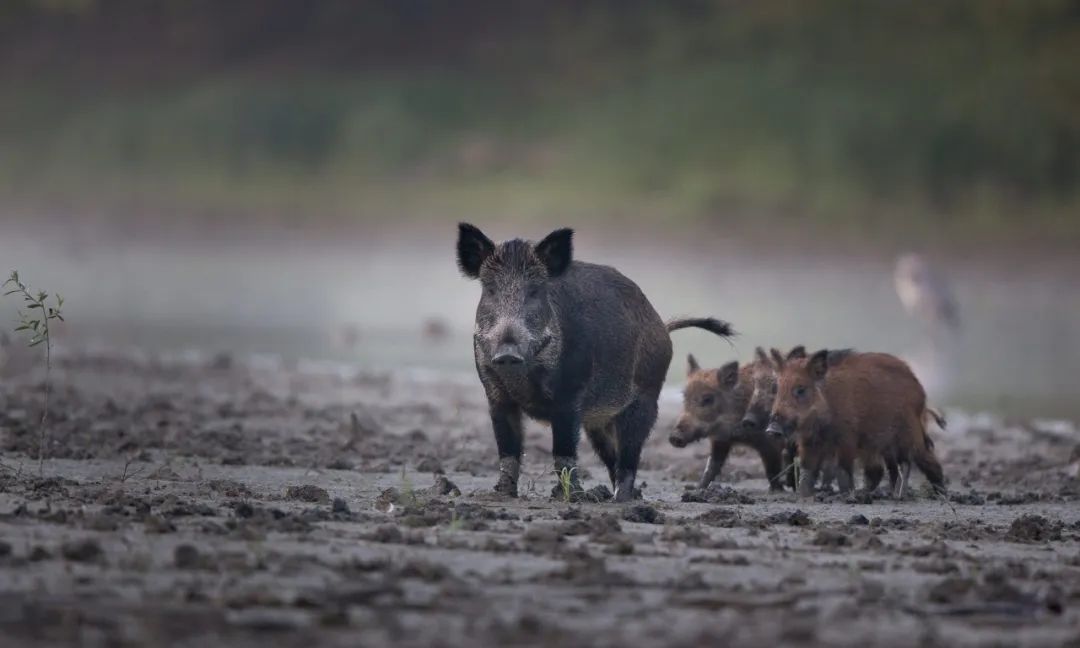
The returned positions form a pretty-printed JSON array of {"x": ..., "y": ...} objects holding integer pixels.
[{"x": 368, "y": 303}]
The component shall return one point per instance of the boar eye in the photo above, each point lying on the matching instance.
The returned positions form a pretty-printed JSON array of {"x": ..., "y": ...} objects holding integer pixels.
[{"x": 532, "y": 292}]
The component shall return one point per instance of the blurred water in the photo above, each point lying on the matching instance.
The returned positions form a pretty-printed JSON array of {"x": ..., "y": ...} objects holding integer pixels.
[{"x": 1017, "y": 352}]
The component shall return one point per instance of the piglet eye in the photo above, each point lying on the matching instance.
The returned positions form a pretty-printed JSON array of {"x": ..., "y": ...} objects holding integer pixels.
[
  {"x": 772, "y": 389},
  {"x": 799, "y": 391},
  {"x": 532, "y": 292},
  {"x": 707, "y": 401}
]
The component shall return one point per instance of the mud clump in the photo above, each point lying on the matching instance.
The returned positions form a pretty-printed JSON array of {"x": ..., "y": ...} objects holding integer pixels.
[
  {"x": 87, "y": 551},
  {"x": 798, "y": 518},
  {"x": 970, "y": 498},
  {"x": 831, "y": 538},
  {"x": 715, "y": 494},
  {"x": 308, "y": 493},
  {"x": 443, "y": 487},
  {"x": 721, "y": 517},
  {"x": 186, "y": 556},
  {"x": 430, "y": 465},
  {"x": 642, "y": 514},
  {"x": 1033, "y": 529}
]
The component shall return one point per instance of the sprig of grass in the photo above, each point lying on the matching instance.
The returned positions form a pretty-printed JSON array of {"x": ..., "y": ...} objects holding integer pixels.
[
  {"x": 35, "y": 321},
  {"x": 566, "y": 482}
]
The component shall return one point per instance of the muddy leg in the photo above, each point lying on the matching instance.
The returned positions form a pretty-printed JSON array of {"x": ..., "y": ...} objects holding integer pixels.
[
  {"x": 632, "y": 426},
  {"x": 872, "y": 475},
  {"x": 845, "y": 474},
  {"x": 894, "y": 473},
  {"x": 790, "y": 452},
  {"x": 905, "y": 474},
  {"x": 810, "y": 466},
  {"x": 565, "y": 434},
  {"x": 771, "y": 459},
  {"x": 715, "y": 462},
  {"x": 603, "y": 442},
  {"x": 506, "y": 421}
]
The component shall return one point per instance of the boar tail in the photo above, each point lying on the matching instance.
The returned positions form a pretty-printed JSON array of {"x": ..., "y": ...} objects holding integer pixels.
[
  {"x": 713, "y": 325},
  {"x": 938, "y": 417}
]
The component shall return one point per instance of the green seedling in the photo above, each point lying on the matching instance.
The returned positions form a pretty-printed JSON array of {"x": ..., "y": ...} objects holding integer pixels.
[
  {"x": 34, "y": 320},
  {"x": 566, "y": 482}
]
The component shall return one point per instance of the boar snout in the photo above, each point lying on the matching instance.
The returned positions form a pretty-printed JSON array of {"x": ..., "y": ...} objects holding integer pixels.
[
  {"x": 750, "y": 423},
  {"x": 775, "y": 429},
  {"x": 507, "y": 355},
  {"x": 676, "y": 440}
]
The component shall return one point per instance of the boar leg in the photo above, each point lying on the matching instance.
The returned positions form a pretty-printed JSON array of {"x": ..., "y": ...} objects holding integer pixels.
[
  {"x": 716, "y": 460},
  {"x": 565, "y": 434},
  {"x": 894, "y": 473},
  {"x": 873, "y": 473},
  {"x": 905, "y": 474},
  {"x": 810, "y": 466},
  {"x": 506, "y": 420},
  {"x": 603, "y": 443},
  {"x": 632, "y": 425},
  {"x": 790, "y": 452},
  {"x": 845, "y": 474},
  {"x": 771, "y": 459}
]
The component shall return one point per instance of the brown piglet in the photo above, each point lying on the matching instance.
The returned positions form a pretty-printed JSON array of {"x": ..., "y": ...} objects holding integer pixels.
[
  {"x": 715, "y": 405},
  {"x": 855, "y": 406}
]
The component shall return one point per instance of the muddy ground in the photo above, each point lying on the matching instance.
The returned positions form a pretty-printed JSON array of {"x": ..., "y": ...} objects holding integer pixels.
[{"x": 192, "y": 500}]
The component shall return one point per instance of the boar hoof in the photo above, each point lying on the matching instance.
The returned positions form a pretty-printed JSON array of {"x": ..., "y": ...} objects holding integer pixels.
[
  {"x": 509, "y": 468},
  {"x": 624, "y": 490}
]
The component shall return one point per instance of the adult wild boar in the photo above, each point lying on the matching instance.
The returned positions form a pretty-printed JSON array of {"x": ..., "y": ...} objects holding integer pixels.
[{"x": 570, "y": 343}]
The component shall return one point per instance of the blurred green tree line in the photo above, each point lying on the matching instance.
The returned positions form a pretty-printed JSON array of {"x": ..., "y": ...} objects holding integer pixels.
[{"x": 845, "y": 113}]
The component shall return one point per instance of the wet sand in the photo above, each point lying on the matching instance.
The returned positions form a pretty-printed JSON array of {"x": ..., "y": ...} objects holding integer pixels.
[{"x": 194, "y": 500}]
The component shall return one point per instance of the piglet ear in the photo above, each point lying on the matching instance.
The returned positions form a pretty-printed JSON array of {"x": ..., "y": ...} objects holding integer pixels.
[
  {"x": 797, "y": 353},
  {"x": 556, "y": 251},
  {"x": 818, "y": 364},
  {"x": 777, "y": 358},
  {"x": 729, "y": 374},
  {"x": 473, "y": 248},
  {"x": 762, "y": 357},
  {"x": 691, "y": 364}
]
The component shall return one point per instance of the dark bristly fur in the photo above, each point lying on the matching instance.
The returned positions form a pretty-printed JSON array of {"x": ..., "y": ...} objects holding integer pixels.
[{"x": 567, "y": 342}]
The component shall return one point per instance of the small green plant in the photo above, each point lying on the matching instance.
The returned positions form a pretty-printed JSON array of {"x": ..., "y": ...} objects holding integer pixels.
[
  {"x": 35, "y": 321},
  {"x": 566, "y": 482},
  {"x": 456, "y": 523}
]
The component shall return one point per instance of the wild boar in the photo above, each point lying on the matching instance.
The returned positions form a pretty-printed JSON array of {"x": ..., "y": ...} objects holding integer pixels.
[
  {"x": 715, "y": 406},
  {"x": 569, "y": 343},
  {"x": 848, "y": 405}
]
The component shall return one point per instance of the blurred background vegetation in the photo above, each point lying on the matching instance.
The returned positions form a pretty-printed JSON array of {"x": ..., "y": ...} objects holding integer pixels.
[{"x": 869, "y": 117}]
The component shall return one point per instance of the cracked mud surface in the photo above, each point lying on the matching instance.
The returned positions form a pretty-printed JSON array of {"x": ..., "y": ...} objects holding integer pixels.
[{"x": 207, "y": 500}]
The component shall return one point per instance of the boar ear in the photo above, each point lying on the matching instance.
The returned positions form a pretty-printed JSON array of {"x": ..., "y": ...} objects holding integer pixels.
[
  {"x": 556, "y": 251},
  {"x": 797, "y": 353},
  {"x": 691, "y": 364},
  {"x": 729, "y": 374},
  {"x": 818, "y": 364},
  {"x": 473, "y": 248},
  {"x": 777, "y": 358}
]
